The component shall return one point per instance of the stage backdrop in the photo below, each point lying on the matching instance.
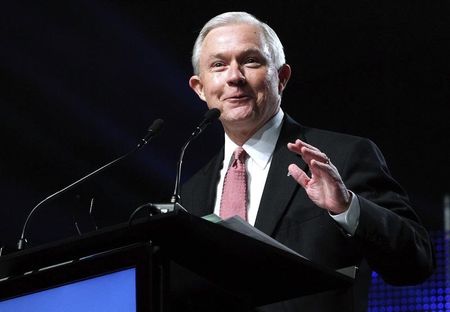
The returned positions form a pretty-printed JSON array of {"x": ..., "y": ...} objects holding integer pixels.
[{"x": 81, "y": 81}]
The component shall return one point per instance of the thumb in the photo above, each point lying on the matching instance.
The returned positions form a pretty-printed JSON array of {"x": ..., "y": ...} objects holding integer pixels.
[{"x": 298, "y": 175}]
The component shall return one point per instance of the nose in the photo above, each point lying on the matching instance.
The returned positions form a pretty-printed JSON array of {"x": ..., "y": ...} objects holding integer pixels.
[{"x": 235, "y": 75}]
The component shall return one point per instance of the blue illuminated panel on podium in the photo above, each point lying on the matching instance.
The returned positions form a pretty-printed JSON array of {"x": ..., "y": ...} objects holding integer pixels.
[{"x": 106, "y": 293}]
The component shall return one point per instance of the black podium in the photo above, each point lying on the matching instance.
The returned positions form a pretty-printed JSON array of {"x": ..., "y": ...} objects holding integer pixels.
[{"x": 181, "y": 262}]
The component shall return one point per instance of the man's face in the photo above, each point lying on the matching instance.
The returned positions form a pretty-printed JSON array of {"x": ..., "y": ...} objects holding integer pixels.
[{"x": 237, "y": 77}]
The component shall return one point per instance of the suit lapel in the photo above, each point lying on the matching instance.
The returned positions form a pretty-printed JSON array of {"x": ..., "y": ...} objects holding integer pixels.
[
  {"x": 204, "y": 203},
  {"x": 279, "y": 188}
]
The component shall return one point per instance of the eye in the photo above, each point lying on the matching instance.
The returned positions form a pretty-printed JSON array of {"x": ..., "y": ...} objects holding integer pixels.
[
  {"x": 252, "y": 61},
  {"x": 217, "y": 64}
]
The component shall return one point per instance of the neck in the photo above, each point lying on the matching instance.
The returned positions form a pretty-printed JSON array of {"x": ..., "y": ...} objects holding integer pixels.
[
  {"x": 240, "y": 137},
  {"x": 240, "y": 134}
]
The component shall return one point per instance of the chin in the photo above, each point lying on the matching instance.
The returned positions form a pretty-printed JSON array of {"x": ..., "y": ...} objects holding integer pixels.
[
  {"x": 241, "y": 122},
  {"x": 240, "y": 117},
  {"x": 242, "y": 113}
]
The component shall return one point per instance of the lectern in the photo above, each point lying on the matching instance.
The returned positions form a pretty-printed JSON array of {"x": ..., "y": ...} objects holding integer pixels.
[{"x": 170, "y": 261}]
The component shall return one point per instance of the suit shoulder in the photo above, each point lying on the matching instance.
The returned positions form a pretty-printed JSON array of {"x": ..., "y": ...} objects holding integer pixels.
[
  {"x": 329, "y": 137},
  {"x": 319, "y": 134}
]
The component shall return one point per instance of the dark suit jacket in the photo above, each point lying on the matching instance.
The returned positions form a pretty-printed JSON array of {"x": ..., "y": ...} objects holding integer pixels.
[{"x": 389, "y": 239}]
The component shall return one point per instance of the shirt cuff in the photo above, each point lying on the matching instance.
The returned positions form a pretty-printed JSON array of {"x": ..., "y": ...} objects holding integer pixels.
[{"x": 349, "y": 219}]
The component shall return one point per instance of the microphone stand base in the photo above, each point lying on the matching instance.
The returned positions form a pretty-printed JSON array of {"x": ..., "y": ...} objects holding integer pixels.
[{"x": 166, "y": 207}]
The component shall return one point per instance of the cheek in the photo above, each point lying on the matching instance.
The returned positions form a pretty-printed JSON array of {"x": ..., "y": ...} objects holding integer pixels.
[
  {"x": 265, "y": 82},
  {"x": 268, "y": 95},
  {"x": 273, "y": 87},
  {"x": 268, "y": 89},
  {"x": 213, "y": 86}
]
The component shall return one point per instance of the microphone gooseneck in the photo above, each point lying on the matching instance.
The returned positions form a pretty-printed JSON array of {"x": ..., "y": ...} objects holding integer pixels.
[
  {"x": 153, "y": 130},
  {"x": 210, "y": 116}
]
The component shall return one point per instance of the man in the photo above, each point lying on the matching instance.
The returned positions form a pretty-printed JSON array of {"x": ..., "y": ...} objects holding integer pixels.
[{"x": 339, "y": 207}]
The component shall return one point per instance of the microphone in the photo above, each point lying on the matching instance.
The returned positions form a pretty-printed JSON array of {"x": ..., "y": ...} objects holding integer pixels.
[
  {"x": 158, "y": 208},
  {"x": 210, "y": 116},
  {"x": 152, "y": 131}
]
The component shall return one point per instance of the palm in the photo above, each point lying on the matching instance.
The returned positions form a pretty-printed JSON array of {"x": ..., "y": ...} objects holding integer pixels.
[{"x": 325, "y": 190}]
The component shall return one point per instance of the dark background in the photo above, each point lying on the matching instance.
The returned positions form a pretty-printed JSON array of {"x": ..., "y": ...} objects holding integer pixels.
[{"x": 82, "y": 80}]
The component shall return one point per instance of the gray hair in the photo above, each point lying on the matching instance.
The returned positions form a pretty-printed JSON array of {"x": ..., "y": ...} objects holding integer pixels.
[{"x": 274, "y": 44}]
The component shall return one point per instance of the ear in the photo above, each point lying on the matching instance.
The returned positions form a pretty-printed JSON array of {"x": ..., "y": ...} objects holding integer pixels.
[
  {"x": 196, "y": 85},
  {"x": 284, "y": 73}
]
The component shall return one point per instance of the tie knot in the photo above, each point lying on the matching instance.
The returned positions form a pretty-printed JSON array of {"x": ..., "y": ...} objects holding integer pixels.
[{"x": 240, "y": 154}]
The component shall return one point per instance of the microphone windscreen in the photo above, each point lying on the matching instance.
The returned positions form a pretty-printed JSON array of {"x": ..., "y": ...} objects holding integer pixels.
[
  {"x": 212, "y": 114},
  {"x": 156, "y": 126}
]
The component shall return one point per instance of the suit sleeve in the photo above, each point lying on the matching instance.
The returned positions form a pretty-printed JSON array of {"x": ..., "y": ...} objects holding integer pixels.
[{"x": 389, "y": 234}]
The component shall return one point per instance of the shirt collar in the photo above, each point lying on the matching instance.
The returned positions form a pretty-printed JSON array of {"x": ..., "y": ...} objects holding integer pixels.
[{"x": 261, "y": 145}]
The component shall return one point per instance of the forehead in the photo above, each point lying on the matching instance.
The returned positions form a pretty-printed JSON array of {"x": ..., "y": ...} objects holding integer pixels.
[{"x": 234, "y": 37}]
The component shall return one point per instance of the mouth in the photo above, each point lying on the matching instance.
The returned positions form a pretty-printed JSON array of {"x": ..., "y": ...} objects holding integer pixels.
[{"x": 237, "y": 98}]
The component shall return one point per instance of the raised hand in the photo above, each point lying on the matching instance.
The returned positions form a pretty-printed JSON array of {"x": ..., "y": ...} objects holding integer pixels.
[{"x": 325, "y": 186}]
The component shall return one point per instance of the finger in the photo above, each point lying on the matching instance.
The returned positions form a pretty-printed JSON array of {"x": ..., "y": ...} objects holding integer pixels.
[
  {"x": 322, "y": 170},
  {"x": 301, "y": 143},
  {"x": 300, "y": 147},
  {"x": 299, "y": 175},
  {"x": 309, "y": 154},
  {"x": 294, "y": 147}
]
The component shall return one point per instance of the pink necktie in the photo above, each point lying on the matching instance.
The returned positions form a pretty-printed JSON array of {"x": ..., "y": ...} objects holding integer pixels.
[{"x": 234, "y": 195}]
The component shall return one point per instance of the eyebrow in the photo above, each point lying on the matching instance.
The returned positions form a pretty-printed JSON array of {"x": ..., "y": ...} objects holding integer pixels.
[{"x": 222, "y": 55}]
